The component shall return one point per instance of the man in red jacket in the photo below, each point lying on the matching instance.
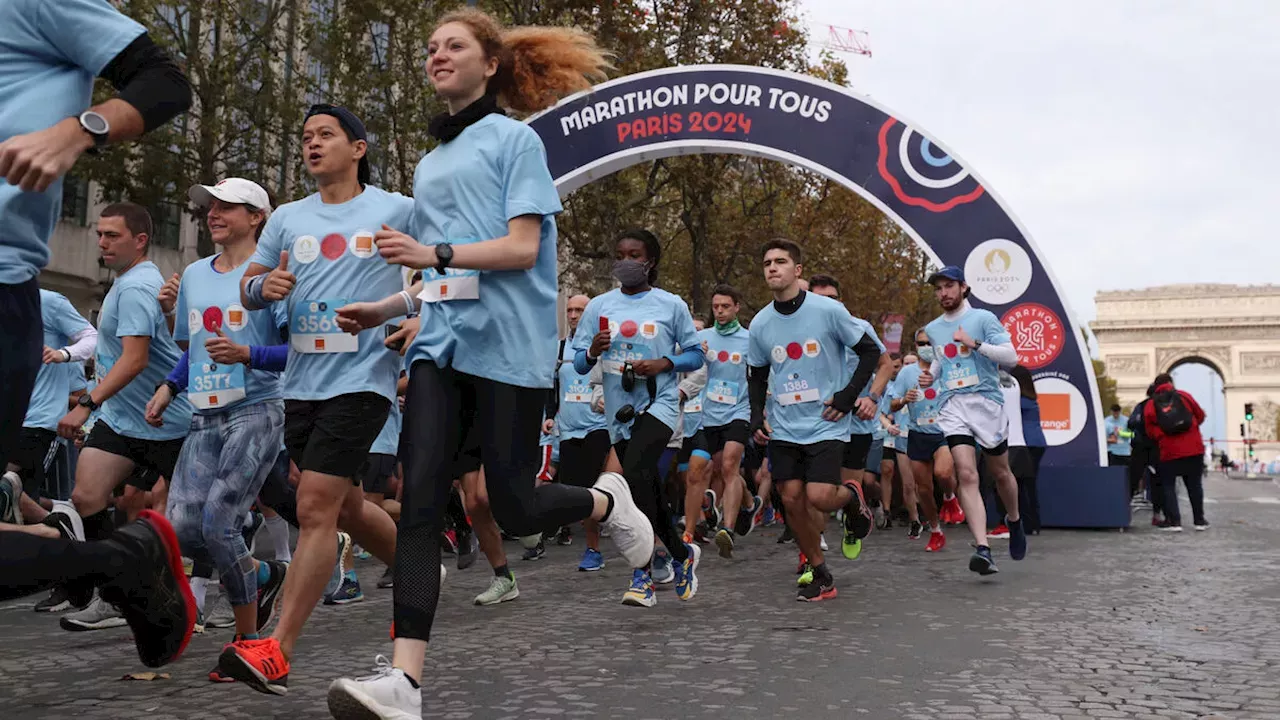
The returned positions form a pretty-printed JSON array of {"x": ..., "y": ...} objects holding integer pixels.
[{"x": 1181, "y": 455}]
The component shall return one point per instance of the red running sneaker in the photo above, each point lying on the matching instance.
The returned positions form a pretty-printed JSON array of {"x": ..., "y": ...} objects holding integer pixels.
[
  {"x": 258, "y": 663},
  {"x": 952, "y": 513},
  {"x": 803, "y": 561},
  {"x": 999, "y": 532},
  {"x": 937, "y": 541}
]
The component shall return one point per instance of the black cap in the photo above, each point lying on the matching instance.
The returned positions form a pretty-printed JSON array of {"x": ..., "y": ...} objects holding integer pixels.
[{"x": 353, "y": 126}]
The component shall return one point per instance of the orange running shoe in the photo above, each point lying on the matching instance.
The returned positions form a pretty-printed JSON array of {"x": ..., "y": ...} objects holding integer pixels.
[{"x": 258, "y": 663}]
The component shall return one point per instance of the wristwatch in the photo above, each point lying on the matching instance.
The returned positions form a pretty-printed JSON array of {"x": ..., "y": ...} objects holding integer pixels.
[
  {"x": 97, "y": 127},
  {"x": 174, "y": 390},
  {"x": 67, "y": 354},
  {"x": 444, "y": 256},
  {"x": 86, "y": 400},
  {"x": 977, "y": 344}
]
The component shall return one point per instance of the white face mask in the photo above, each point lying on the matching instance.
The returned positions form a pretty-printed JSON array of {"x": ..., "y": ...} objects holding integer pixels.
[{"x": 925, "y": 354}]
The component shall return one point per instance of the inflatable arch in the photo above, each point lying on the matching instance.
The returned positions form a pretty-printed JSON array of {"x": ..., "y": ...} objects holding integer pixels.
[{"x": 926, "y": 189}]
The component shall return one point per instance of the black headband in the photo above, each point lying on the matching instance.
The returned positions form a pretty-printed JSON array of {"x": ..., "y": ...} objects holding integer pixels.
[{"x": 352, "y": 125}]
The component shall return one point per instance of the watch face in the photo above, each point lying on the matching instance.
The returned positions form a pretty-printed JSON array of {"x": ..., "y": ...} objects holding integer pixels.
[{"x": 94, "y": 123}]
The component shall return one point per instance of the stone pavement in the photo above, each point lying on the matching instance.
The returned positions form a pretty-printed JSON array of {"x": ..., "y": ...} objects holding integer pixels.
[{"x": 1092, "y": 624}]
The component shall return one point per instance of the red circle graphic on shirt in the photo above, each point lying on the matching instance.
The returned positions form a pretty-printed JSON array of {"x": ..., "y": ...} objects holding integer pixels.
[
  {"x": 949, "y": 350},
  {"x": 930, "y": 394},
  {"x": 794, "y": 351},
  {"x": 212, "y": 318},
  {"x": 1037, "y": 333},
  {"x": 628, "y": 328},
  {"x": 333, "y": 246},
  {"x": 723, "y": 356}
]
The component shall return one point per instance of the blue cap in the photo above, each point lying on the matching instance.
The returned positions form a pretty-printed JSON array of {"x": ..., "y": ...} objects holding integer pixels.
[{"x": 950, "y": 272}]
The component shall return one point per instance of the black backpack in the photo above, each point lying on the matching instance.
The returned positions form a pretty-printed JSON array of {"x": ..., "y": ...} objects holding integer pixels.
[{"x": 1172, "y": 414}]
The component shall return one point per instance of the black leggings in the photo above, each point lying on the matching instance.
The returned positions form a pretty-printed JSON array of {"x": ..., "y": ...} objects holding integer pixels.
[
  {"x": 639, "y": 457},
  {"x": 443, "y": 407},
  {"x": 29, "y": 564},
  {"x": 21, "y": 340}
]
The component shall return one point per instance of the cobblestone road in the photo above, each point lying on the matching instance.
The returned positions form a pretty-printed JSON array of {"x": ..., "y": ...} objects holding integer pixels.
[{"x": 1092, "y": 624}]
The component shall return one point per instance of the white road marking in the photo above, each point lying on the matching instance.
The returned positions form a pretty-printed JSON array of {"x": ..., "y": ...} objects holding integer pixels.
[{"x": 1265, "y": 500}]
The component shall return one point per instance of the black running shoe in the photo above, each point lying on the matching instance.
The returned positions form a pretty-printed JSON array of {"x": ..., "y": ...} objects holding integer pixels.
[
  {"x": 916, "y": 528},
  {"x": 467, "y": 547},
  {"x": 59, "y": 600},
  {"x": 270, "y": 592},
  {"x": 564, "y": 536},
  {"x": 786, "y": 536},
  {"x": 151, "y": 591},
  {"x": 536, "y": 552},
  {"x": 857, "y": 516},
  {"x": 821, "y": 588},
  {"x": 746, "y": 521},
  {"x": 981, "y": 561},
  {"x": 388, "y": 579}
]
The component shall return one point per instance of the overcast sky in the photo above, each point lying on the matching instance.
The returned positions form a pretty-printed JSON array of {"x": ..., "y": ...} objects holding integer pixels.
[{"x": 1135, "y": 140}]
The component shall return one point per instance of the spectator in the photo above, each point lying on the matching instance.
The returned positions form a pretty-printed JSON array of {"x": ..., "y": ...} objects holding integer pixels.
[
  {"x": 1026, "y": 462},
  {"x": 1144, "y": 459},
  {"x": 1172, "y": 420}
]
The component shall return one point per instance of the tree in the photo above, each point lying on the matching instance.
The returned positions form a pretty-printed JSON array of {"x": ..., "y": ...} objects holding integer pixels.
[{"x": 1106, "y": 386}]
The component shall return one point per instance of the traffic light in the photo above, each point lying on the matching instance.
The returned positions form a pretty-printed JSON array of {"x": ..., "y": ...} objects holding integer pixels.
[{"x": 1248, "y": 412}]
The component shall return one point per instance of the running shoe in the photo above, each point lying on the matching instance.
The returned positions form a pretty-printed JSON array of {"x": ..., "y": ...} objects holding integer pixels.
[
  {"x": 724, "y": 541},
  {"x": 217, "y": 675},
  {"x": 822, "y": 587},
  {"x": 198, "y": 625},
  {"x": 388, "y": 579},
  {"x": 882, "y": 520},
  {"x": 339, "y": 566},
  {"x": 269, "y": 592},
  {"x": 387, "y": 693},
  {"x": 348, "y": 592},
  {"x": 10, "y": 493},
  {"x": 564, "y": 536},
  {"x": 937, "y": 541},
  {"x": 449, "y": 542},
  {"x": 592, "y": 561},
  {"x": 916, "y": 529},
  {"x": 981, "y": 561},
  {"x": 99, "y": 615},
  {"x": 467, "y": 547},
  {"x": 257, "y": 663},
  {"x": 537, "y": 552},
  {"x": 999, "y": 532},
  {"x": 360, "y": 553},
  {"x": 630, "y": 529},
  {"x": 955, "y": 513},
  {"x": 501, "y": 589},
  {"x": 802, "y": 563},
  {"x": 1202, "y": 526},
  {"x": 710, "y": 513},
  {"x": 1157, "y": 519},
  {"x": 1163, "y": 527},
  {"x": 822, "y": 542},
  {"x": 747, "y": 517},
  {"x": 686, "y": 573},
  {"x": 219, "y": 615},
  {"x": 786, "y": 536},
  {"x": 59, "y": 600},
  {"x": 770, "y": 516},
  {"x": 857, "y": 517},
  {"x": 850, "y": 548},
  {"x": 640, "y": 594},
  {"x": 1017, "y": 538},
  {"x": 806, "y": 575},
  {"x": 661, "y": 568}
]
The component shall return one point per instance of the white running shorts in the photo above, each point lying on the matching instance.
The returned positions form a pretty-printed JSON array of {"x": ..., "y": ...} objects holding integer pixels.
[{"x": 975, "y": 416}]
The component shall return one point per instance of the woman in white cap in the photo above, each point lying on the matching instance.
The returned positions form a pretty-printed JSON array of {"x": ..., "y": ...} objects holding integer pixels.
[{"x": 231, "y": 374}]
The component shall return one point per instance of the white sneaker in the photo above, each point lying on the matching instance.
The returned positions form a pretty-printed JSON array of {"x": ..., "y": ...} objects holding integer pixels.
[
  {"x": 630, "y": 530},
  {"x": 12, "y": 490},
  {"x": 99, "y": 615},
  {"x": 386, "y": 695},
  {"x": 822, "y": 540}
]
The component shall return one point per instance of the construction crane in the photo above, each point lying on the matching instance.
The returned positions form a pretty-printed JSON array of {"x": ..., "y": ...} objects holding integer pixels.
[{"x": 846, "y": 40}]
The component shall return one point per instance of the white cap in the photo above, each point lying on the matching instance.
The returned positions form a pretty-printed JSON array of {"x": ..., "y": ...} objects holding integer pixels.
[{"x": 232, "y": 190}]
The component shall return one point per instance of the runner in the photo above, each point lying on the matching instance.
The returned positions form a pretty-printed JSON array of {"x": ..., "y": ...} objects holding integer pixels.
[
  {"x": 726, "y": 412},
  {"x": 50, "y": 56},
  {"x": 134, "y": 354},
  {"x": 643, "y": 336},
  {"x": 971, "y": 414},
  {"x": 802, "y": 340},
  {"x": 317, "y": 254},
  {"x": 882, "y": 509},
  {"x": 575, "y": 410},
  {"x": 902, "y": 426},
  {"x": 485, "y": 355},
  {"x": 693, "y": 462},
  {"x": 927, "y": 450}
]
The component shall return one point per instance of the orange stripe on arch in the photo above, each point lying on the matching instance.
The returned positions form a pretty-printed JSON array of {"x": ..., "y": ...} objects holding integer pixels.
[{"x": 882, "y": 164}]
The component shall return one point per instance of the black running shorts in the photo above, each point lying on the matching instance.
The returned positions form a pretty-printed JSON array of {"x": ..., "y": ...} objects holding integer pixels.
[
  {"x": 855, "y": 451},
  {"x": 333, "y": 436},
  {"x": 816, "y": 463},
  {"x": 736, "y": 431},
  {"x": 154, "y": 458}
]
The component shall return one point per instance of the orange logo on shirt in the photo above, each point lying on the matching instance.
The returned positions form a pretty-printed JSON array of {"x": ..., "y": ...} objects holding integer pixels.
[
  {"x": 319, "y": 343},
  {"x": 1055, "y": 411},
  {"x": 444, "y": 289},
  {"x": 364, "y": 243},
  {"x": 235, "y": 317},
  {"x": 213, "y": 399},
  {"x": 797, "y": 396}
]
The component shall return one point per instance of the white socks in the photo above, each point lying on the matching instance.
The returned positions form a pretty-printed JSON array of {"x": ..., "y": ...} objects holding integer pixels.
[{"x": 278, "y": 530}]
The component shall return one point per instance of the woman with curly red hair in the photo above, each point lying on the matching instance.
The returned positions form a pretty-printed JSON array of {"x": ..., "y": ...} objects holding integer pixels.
[{"x": 484, "y": 234}]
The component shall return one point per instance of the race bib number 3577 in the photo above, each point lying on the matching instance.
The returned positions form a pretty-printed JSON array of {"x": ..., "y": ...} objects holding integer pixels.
[{"x": 313, "y": 328}]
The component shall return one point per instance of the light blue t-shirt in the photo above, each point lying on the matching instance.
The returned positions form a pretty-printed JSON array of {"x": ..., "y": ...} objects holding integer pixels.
[
  {"x": 1120, "y": 428},
  {"x": 645, "y": 326},
  {"x": 132, "y": 310},
  {"x": 50, "y": 52},
  {"x": 725, "y": 398},
  {"x": 922, "y": 414},
  {"x": 857, "y": 425},
  {"x": 55, "y": 380},
  {"x": 493, "y": 324},
  {"x": 963, "y": 370},
  {"x": 388, "y": 440},
  {"x": 335, "y": 262},
  {"x": 805, "y": 352},
  {"x": 209, "y": 300},
  {"x": 575, "y": 419},
  {"x": 694, "y": 413}
]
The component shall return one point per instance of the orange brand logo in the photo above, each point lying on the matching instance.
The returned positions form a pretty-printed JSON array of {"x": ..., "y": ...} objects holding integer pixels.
[
  {"x": 213, "y": 399},
  {"x": 364, "y": 243},
  {"x": 1055, "y": 411},
  {"x": 797, "y": 397},
  {"x": 811, "y": 347},
  {"x": 235, "y": 317},
  {"x": 444, "y": 289},
  {"x": 319, "y": 343}
]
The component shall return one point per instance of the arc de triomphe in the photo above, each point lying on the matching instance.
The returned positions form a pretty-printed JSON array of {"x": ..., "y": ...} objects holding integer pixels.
[{"x": 1231, "y": 328}]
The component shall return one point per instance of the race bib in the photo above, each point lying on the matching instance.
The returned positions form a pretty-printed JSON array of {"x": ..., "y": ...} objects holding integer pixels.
[
  {"x": 455, "y": 284},
  {"x": 962, "y": 373},
  {"x": 694, "y": 405},
  {"x": 795, "y": 392},
  {"x": 927, "y": 421},
  {"x": 578, "y": 393},
  {"x": 622, "y": 352},
  {"x": 211, "y": 386},
  {"x": 724, "y": 392},
  {"x": 313, "y": 328}
]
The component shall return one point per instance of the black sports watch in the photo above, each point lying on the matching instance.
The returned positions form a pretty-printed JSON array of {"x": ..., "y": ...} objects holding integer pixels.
[
  {"x": 444, "y": 256},
  {"x": 97, "y": 127},
  {"x": 86, "y": 400}
]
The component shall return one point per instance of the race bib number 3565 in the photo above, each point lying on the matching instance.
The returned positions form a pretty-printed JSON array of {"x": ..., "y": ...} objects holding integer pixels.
[{"x": 313, "y": 328}]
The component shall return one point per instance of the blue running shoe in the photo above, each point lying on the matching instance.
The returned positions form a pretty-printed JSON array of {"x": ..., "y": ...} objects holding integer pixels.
[
  {"x": 592, "y": 561},
  {"x": 686, "y": 573},
  {"x": 348, "y": 592},
  {"x": 640, "y": 594},
  {"x": 981, "y": 561},
  {"x": 1017, "y": 538},
  {"x": 663, "y": 573},
  {"x": 339, "y": 571}
]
